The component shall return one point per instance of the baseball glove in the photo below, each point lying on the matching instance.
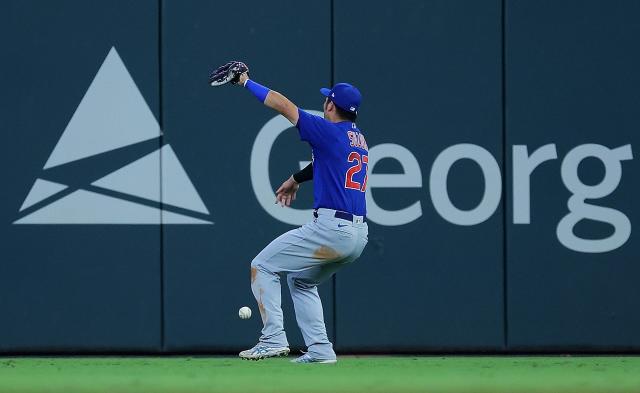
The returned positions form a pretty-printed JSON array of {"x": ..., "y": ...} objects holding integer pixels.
[{"x": 229, "y": 72}]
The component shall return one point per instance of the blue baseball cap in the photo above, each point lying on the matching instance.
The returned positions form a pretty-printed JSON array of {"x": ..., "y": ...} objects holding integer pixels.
[{"x": 344, "y": 95}]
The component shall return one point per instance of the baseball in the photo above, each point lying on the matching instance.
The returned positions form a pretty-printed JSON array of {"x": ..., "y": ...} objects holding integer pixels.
[{"x": 244, "y": 313}]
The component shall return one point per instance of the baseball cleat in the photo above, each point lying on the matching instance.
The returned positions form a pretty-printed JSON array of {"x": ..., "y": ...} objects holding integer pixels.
[
  {"x": 306, "y": 358},
  {"x": 261, "y": 351}
]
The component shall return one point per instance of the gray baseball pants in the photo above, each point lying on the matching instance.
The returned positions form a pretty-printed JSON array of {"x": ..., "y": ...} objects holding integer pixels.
[{"x": 308, "y": 255}]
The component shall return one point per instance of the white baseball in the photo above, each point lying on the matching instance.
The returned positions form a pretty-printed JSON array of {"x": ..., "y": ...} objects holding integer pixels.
[{"x": 244, "y": 312}]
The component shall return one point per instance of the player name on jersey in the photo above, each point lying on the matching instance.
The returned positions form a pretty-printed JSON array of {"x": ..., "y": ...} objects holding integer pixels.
[{"x": 357, "y": 140}]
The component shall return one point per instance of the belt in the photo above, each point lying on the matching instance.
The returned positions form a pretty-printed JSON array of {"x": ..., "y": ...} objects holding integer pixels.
[{"x": 342, "y": 215}]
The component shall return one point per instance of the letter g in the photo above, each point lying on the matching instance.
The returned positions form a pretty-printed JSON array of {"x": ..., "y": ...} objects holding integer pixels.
[{"x": 579, "y": 210}]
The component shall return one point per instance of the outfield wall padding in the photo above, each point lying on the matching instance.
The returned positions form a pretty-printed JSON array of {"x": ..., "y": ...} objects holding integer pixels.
[
  {"x": 71, "y": 287},
  {"x": 427, "y": 284},
  {"x": 213, "y": 131},
  {"x": 572, "y": 80}
]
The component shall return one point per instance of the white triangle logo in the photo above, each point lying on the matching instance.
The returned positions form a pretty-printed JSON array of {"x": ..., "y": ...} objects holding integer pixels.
[{"x": 113, "y": 114}]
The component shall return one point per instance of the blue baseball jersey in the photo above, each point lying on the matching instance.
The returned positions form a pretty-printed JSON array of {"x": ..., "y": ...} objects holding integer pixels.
[{"x": 340, "y": 163}]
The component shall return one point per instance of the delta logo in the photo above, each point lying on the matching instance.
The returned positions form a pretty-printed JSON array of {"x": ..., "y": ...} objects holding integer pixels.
[{"x": 111, "y": 165}]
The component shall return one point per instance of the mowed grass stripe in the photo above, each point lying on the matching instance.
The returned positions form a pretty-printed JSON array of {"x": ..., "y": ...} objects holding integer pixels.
[{"x": 352, "y": 374}]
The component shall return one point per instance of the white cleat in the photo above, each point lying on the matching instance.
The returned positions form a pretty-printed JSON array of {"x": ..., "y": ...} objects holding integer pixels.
[
  {"x": 306, "y": 358},
  {"x": 261, "y": 351}
]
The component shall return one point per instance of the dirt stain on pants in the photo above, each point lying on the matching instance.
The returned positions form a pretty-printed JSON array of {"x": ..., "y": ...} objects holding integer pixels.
[{"x": 326, "y": 253}]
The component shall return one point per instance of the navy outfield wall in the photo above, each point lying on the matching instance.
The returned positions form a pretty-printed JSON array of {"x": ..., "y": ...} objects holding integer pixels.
[
  {"x": 63, "y": 286},
  {"x": 572, "y": 91},
  {"x": 447, "y": 266},
  {"x": 207, "y": 268},
  {"x": 423, "y": 282}
]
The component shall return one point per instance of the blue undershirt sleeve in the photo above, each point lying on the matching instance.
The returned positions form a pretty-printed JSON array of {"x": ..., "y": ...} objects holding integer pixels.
[{"x": 259, "y": 91}]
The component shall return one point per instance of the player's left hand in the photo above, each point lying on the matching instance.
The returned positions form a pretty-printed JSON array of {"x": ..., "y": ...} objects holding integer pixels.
[{"x": 287, "y": 192}]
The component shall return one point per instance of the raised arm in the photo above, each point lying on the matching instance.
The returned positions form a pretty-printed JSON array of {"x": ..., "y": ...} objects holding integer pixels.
[{"x": 271, "y": 98}]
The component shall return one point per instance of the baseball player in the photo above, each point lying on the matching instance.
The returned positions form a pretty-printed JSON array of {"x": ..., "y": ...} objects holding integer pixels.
[{"x": 336, "y": 234}]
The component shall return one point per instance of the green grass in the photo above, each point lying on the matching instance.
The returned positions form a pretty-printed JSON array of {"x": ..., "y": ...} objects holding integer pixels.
[{"x": 352, "y": 374}]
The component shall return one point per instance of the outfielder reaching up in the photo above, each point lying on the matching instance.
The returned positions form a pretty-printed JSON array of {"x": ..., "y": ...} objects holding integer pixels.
[{"x": 334, "y": 237}]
